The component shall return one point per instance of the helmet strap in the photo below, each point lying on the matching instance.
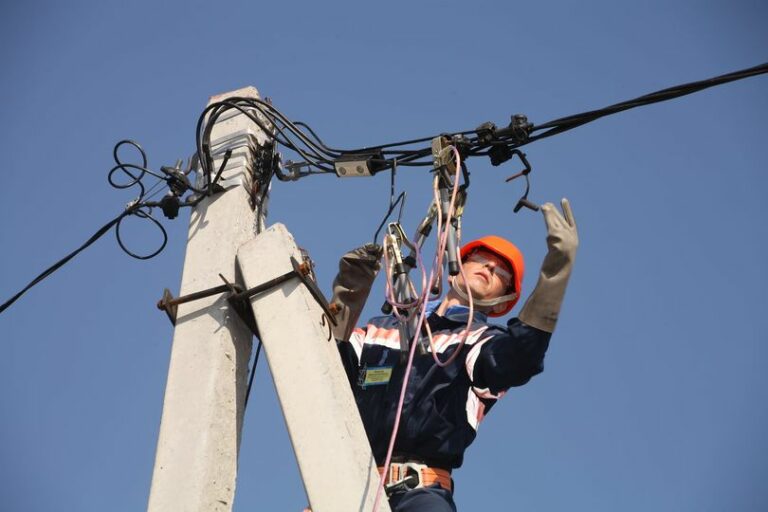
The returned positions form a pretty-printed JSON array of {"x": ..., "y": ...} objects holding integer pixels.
[{"x": 485, "y": 303}]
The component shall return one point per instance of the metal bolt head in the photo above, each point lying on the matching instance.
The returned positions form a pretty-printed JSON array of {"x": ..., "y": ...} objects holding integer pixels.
[
  {"x": 342, "y": 170},
  {"x": 359, "y": 169}
]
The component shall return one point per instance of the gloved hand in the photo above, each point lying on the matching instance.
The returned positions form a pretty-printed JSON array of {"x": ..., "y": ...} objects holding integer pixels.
[
  {"x": 357, "y": 271},
  {"x": 543, "y": 306}
]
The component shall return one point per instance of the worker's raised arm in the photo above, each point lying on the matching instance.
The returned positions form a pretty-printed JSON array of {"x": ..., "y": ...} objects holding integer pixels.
[
  {"x": 357, "y": 271},
  {"x": 542, "y": 308},
  {"x": 513, "y": 357}
]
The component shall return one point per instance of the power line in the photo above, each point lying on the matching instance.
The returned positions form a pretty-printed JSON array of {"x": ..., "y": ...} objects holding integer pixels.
[
  {"x": 318, "y": 158},
  {"x": 53, "y": 268},
  {"x": 485, "y": 140},
  {"x": 567, "y": 123}
]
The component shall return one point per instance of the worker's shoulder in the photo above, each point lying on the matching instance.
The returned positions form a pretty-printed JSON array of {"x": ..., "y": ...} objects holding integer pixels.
[
  {"x": 383, "y": 321},
  {"x": 492, "y": 329},
  {"x": 513, "y": 328}
]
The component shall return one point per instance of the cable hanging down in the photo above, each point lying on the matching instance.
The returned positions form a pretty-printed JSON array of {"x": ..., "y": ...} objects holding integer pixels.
[{"x": 140, "y": 207}]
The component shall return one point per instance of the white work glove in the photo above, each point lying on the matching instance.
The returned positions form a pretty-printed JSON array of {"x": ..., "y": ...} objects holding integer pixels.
[
  {"x": 543, "y": 306},
  {"x": 357, "y": 271}
]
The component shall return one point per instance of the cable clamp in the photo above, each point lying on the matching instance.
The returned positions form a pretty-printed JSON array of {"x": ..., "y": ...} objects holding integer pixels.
[
  {"x": 224, "y": 183},
  {"x": 294, "y": 171},
  {"x": 359, "y": 165},
  {"x": 227, "y": 183},
  {"x": 442, "y": 154}
]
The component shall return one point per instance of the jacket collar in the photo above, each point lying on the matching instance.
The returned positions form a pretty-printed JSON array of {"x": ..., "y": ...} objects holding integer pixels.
[{"x": 457, "y": 313}]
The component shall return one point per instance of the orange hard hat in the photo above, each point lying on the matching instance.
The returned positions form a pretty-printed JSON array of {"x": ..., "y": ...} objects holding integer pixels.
[{"x": 507, "y": 251}]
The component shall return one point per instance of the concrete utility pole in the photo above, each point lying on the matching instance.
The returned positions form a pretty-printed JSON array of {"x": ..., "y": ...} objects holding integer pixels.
[
  {"x": 196, "y": 459},
  {"x": 333, "y": 452}
]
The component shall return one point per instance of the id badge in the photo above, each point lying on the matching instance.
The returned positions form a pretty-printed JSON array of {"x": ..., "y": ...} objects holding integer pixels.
[{"x": 374, "y": 376}]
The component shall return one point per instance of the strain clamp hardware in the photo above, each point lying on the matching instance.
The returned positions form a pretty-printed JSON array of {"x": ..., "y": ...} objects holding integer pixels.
[{"x": 359, "y": 165}]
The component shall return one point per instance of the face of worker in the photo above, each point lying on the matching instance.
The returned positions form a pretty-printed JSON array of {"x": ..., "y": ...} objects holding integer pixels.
[{"x": 488, "y": 275}]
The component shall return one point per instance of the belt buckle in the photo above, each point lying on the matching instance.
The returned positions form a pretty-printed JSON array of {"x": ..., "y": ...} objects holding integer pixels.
[{"x": 409, "y": 471}]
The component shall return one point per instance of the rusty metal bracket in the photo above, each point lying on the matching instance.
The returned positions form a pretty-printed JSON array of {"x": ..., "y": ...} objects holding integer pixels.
[
  {"x": 241, "y": 308},
  {"x": 300, "y": 270},
  {"x": 170, "y": 305},
  {"x": 239, "y": 298}
]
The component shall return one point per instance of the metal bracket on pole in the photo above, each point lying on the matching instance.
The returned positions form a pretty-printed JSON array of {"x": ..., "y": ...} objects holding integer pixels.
[
  {"x": 170, "y": 304},
  {"x": 239, "y": 298},
  {"x": 300, "y": 270}
]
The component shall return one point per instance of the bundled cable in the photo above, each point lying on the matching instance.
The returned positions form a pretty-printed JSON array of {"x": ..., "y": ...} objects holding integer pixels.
[
  {"x": 485, "y": 140},
  {"x": 568, "y": 123},
  {"x": 316, "y": 157}
]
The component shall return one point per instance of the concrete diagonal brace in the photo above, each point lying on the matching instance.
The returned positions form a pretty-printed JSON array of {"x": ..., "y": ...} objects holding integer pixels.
[{"x": 328, "y": 438}]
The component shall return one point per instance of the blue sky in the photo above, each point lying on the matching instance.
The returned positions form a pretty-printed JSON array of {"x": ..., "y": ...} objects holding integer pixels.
[{"x": 655, "y": 395}]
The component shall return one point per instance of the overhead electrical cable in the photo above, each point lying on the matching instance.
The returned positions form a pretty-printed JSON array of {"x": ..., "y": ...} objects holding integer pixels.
[
  {"x": 301, "y": 138},
  {"x": 63, "y": 261},
  {"x": 576, "y": 120},
  {"x": 319, "y": 158}
]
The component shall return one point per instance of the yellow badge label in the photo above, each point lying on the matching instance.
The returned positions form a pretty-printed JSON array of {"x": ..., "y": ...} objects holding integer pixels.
[{"x": 377, "y": 375}]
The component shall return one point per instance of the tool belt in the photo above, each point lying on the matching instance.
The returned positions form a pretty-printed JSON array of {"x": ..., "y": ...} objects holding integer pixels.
[{"x": 404, "y": 476}]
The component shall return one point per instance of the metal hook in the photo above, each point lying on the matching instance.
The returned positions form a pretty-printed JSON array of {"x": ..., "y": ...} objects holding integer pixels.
[
  {"x": 325, "y": 322},
  {"x": 523, "y": 201}
]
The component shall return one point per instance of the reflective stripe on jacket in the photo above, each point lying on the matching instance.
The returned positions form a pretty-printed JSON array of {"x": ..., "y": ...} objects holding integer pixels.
[{"x": 443, "y": 406}]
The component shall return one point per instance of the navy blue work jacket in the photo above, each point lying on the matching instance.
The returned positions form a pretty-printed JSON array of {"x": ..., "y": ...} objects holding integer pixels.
[{"x": 443, "y": 406}]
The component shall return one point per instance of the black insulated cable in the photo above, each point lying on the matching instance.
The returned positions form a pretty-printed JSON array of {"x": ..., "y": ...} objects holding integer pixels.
[
  {"x": 320, "y": 156},
  {"x": 567, "y": 123},
  {"x": 63, "y": 261},
  {"x": 253, "y": 372}
]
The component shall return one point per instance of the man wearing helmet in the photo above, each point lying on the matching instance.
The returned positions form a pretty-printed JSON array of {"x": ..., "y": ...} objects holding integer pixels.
[
  {"x": 494, "y": 268},
  {"x": 444, "y": 405}
]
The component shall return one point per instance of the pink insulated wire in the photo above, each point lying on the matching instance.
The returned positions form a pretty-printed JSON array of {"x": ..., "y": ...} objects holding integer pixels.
[{"x": 422, "y": 304}]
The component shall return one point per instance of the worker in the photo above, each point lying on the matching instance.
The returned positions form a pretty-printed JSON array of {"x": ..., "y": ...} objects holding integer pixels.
[{"x": 443, "y": 406}]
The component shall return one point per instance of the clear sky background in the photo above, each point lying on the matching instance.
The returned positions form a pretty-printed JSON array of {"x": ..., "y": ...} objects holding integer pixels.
[{"x": 655, "y": 393}]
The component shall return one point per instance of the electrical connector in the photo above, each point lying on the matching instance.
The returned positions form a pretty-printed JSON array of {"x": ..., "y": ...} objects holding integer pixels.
[{"x": 358, "y": 165}]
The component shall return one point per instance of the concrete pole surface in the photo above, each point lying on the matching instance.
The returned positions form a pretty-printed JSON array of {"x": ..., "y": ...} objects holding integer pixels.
[
  {"x": 328, "y": 438},
  {"x": 196, "y": 459}
]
